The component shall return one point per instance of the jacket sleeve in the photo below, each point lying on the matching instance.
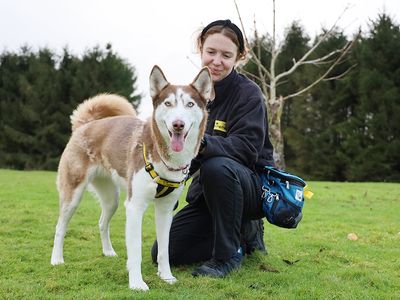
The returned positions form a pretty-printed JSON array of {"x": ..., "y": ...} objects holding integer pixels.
[{"x": 245, "y": 133}]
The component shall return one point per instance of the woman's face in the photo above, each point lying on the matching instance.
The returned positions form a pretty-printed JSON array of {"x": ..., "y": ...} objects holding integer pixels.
[{"x": 219, "y": 54}]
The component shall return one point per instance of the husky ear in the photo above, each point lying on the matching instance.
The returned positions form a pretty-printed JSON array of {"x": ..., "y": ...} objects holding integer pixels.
[
  {"x": 157, "y": 81},
  {"x": 203, "y": 84}
]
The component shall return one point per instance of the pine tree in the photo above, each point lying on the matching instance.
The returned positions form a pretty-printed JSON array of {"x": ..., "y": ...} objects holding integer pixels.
[
  {"x": 38, "y": 92},
  {"x": 314, "y": 138},
  {"x": 375, "y": 124}
]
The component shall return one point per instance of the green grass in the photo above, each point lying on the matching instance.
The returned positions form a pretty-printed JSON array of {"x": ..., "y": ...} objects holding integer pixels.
[{"x": 323, "y": 263}]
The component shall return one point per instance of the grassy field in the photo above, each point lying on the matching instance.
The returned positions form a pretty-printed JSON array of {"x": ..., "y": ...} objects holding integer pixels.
[{"x": 314, "y": 261}]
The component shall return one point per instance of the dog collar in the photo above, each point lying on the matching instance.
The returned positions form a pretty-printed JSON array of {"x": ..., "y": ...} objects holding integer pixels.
[
  {"x": 164, "y": 186},
  {"x": 184, "y": 169}
]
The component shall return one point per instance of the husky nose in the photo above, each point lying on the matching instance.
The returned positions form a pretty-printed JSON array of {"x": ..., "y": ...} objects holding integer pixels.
[{"x": 178, "y": 125}]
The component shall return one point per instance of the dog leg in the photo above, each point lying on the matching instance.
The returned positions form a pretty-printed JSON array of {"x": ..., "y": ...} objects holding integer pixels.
[
  {"x": 163, "y": 215},
  {"x": 108, "y": 194},
  {"x": 134, "y": 215},
  {"x": 67, "y": 209}
]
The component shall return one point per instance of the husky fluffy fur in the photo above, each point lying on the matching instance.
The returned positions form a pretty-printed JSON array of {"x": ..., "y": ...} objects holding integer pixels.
[{"x": 106, "y": 149}]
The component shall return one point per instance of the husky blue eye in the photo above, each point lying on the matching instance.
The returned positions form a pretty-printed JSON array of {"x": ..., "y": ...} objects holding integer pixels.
[{"x": 190, "y": 104}]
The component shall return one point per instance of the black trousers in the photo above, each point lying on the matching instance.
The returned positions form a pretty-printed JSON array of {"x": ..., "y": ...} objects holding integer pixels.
[{"x": 220, "y": 199}]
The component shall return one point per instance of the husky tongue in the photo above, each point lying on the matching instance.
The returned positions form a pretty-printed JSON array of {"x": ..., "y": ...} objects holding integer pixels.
[{"x": 177, "y": 140}]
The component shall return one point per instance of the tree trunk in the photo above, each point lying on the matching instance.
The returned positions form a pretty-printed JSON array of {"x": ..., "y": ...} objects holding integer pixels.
[{"x": 275, "y": 108}]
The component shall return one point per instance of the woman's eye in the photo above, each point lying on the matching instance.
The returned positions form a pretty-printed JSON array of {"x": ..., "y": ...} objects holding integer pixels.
[
  {"x": 190, "y": 104},
  {"x": 167, "y": 103}
]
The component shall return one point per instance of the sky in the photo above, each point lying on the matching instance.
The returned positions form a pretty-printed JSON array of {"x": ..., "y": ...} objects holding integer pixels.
[{"x": 163, "y": 32}]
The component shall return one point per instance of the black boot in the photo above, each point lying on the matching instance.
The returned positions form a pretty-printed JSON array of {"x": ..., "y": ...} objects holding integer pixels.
[
  {"x": 252, "y": 236},
  {"x": 218, "y": 268}
]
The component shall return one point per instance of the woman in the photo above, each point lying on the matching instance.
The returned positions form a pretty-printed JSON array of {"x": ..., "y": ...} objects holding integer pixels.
[{"x": 225, "y": 194}]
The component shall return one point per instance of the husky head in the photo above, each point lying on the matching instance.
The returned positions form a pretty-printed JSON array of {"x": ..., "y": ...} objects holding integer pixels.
[{"x": 179, "y": 115}]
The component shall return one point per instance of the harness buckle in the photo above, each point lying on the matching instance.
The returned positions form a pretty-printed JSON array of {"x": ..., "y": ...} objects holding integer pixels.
[{"x": 149, "y": 167}]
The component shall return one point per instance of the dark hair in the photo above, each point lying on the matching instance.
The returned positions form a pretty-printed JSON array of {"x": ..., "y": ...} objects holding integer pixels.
[{"x": 229, "y": 29}]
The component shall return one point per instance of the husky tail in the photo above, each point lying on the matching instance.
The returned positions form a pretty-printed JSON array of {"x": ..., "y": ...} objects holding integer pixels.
[{"x": 99, "y": 107}]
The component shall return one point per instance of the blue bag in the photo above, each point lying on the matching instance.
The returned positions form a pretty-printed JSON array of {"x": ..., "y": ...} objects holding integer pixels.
[{"x": 283, "y": 197}]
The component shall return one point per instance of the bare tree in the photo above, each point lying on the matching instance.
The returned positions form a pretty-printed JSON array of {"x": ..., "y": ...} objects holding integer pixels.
[{"x": 269, "y": 79}]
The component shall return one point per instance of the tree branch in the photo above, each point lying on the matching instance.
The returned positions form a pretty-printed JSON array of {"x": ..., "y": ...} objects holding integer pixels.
[
  {"x": 254, "y": 56},
  {"x": 241, "y": 25},
  {"x": 323, "y": 59},
  {"x": 346, "y": 49},
  {"x": 340, "y": 76},
  {"x": 316, "y": 45}
]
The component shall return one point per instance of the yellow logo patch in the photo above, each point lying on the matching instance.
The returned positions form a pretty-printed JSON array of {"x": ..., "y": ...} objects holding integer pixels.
[{"x": 220, "y": 125}]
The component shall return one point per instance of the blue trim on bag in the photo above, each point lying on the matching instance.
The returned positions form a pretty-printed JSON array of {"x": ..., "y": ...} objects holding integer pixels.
[{"x": 285, "y": 176}]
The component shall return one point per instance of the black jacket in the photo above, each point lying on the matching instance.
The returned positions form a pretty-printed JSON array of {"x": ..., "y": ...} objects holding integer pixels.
[{"x": 237, "y": 125}]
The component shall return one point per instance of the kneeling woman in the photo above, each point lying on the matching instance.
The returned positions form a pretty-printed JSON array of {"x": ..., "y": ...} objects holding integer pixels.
[{"x": 222, "y": 220}]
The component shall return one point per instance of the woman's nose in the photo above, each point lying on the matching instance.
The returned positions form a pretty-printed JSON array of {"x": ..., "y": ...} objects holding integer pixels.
[{"x": 217, "y": 60}]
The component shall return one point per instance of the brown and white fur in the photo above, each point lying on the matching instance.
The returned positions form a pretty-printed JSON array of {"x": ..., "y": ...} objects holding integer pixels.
[{"x": 105, "y": 150}]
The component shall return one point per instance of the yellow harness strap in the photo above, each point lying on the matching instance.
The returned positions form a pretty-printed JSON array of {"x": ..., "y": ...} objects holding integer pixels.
[{"x": 164, "y": 187}]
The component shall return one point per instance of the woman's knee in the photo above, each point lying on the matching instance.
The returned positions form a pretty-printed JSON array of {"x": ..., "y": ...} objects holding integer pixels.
[{"x": 215, "y": 169}]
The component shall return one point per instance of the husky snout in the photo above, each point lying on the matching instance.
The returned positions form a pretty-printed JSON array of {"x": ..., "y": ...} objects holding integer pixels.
[
  {"x": 178, "y": 135},
  {"x": 178, "y": 125}
]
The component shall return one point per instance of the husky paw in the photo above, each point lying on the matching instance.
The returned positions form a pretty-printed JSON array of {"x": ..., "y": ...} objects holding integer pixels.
[
  {"x": 169, "y": 278},
  {"x": 110, "y": 253},
  {"x": 139, "y": 286},
  {"x": 57, "y": 261}
]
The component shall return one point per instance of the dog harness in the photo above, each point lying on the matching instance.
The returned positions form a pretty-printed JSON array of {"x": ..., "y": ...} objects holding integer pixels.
[{"x": 164, "y": 186}]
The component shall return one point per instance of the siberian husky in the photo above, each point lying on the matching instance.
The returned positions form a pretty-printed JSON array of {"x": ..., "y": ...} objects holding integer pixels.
[{"x": 110, "y": 145}]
